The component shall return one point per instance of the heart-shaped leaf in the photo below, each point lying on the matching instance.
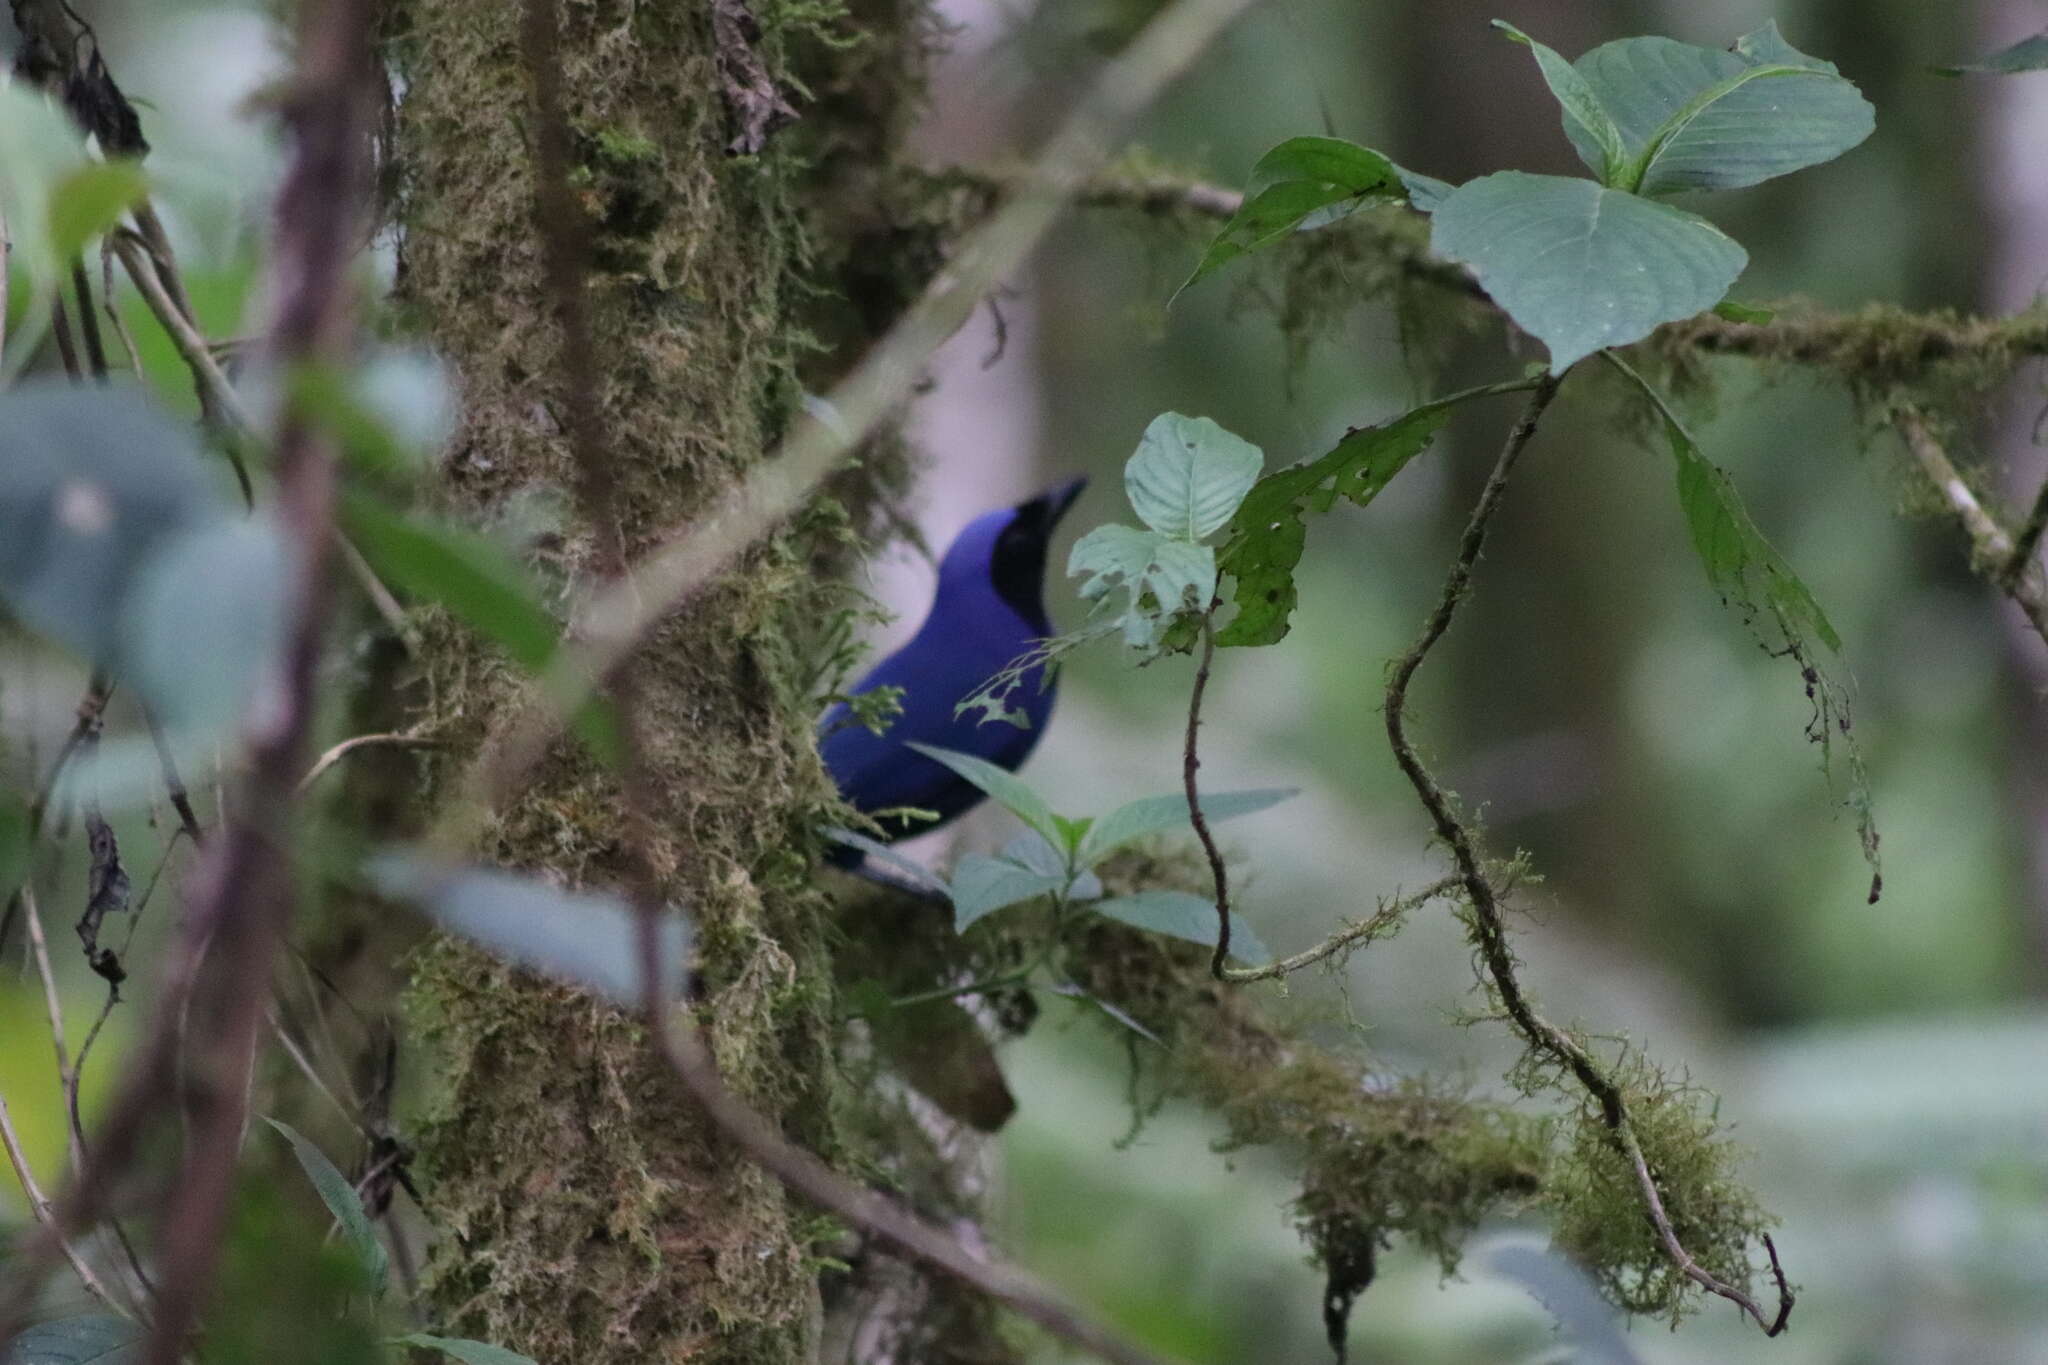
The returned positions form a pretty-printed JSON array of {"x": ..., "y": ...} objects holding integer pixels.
[{"x": 1579, "y": 266}]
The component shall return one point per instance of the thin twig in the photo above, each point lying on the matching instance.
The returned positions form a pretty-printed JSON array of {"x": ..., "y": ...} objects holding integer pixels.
[
  {"x": 39, "y": 1209},
  {"x": 620, "y": 615},
  {"x": 1488, "y": 923},
  {"x": 1364, "y": 931},
  {"x": 88, "y": 321},
  {"x": 53, "y": 1007},
  {"x": 2026, "y": 542},
  {"x": 111, "y": 304},
  {"x": 1992, "y": 549},
  {"x": 349, "y": 746},
  {"x": 1190, "y": 764},
  {"x": 181, "y": 800}
]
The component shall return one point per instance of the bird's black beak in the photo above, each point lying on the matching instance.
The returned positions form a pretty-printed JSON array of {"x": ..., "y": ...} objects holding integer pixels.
[{"x": 1045, "y": 510}]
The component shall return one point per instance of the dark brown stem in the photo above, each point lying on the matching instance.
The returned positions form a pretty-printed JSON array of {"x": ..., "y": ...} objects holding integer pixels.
[
  {"x": 67, "y": 349},
  {"x": 1190, "y": 764},
  {"x": 2026, "y": 542},
  {"x": 88, "y": 321},
  {"x": 1488, "y": 920}
]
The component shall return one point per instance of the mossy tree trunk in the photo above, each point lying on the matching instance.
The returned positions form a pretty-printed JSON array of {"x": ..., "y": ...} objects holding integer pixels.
[{"x": 589, "y": 1215}]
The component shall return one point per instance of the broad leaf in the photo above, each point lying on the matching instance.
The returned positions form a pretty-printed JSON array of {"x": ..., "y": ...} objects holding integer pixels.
[
  {"x": 1304, "y": 183},
  {"x": 1183, "y": 915},
  {"x": 91, "y": 200},
  {"x": 1159, "y": 576},
  {"x": 984, "y": 885},
  {"x": 204, "y": 623},
  {"x": 342, "y": 1201},
  {"x": 2028, "y": 54},
  {"x": 1693, "y": 118},
  {"x": 1188, "y": 475},
  {"x": 1009, "y": 791},
  {"x": 1156, "y": 814},
  {"x": 463, "y": 1349},
  {"x": 469, "y": 574},
  {"x": 1035, "y": 853},
  {"x": 93, "y": 481},
  {"x": 1587, "y": 122},
  {"x": 94, "y": 1339},
  {"x": 1267, "y": 534},
  {"x": 586, "y": 938},
  {"x": 1581, "y": 267}
]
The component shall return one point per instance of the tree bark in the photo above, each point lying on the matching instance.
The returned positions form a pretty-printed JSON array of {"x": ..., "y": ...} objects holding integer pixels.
[{"x": 588, "y": 1213}]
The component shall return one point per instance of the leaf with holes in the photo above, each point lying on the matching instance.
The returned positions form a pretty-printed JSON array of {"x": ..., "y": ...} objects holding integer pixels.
[
  {"x": 1188, "y": 475},
  {"x": 1159, "y": 577},
  {"x": 1267, "y": 534},
  {"x": 1581, "y": 267}
]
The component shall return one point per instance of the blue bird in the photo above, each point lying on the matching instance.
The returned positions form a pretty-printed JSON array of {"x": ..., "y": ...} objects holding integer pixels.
[{"x": 989, "y": 609}]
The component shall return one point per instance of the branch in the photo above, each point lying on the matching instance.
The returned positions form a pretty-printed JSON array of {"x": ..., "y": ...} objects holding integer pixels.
[
  {"x": 1488, "y": 926},
  {"x": 349, "y": 746},
  {"x": 1993, "y": 553},
  {"x": 39, "y": 1209},
  {"x": 1389, "y": 914},
  {"x": 1190, "y": 764},
  {"x": 613, "y": 622}
]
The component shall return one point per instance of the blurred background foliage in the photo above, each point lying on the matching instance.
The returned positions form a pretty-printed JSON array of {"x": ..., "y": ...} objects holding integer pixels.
[{"x": 1701, "y": 891}]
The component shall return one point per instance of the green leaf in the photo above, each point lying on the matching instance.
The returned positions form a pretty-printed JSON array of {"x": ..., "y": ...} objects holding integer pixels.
[
  {"x": 1587, "y": 122},
  {"x": 342, "y": 1201},
  {"x": 984, "y": 885},
  {"x": 1581, "y": 267},
  {"x": 469, "y": 574},
  {"x": 93, "y": 483},
  {"x": 1743, "y": 312},
  {"x": 1425, "y": 192},
  {"x": 1160, "y": 576},
  {"x": 90, "y": 200},
  {"x": 1007, "y": 789},
  {"x": 1188, "y": 475},
  {"x": 463, "y": 1349},
  {"x": 1267, "y": 534},
  {"x": 1777, "y": 607},
  {"x": 1156, "y": 814},
  {"x": 93, "y": 1339},
  {"x": 2028, "y": 54},
  {"x": 1693, "y": 118},
  {"x": 589, "y": 939},
  {"x": 1304, "y": 183},
  {"x": 204, "y": 624},
  {"x": 1183, "y": 915}
]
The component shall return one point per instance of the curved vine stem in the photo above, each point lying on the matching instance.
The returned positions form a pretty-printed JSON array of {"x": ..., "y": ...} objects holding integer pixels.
[
  {"x": 1190, "y": 764},
  {"x": 1488, "y": 924}
]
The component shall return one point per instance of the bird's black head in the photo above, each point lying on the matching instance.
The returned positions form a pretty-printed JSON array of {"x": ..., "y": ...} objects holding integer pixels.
[{"x": 1017, "y": 564}]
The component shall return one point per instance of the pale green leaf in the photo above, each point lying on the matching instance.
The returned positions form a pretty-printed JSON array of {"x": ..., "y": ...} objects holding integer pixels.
[
  {"x": 589, "y": 939},
  {"x": 1183, "y": 915},
  {"x": 90, "y": 200},
  {"x": 2028, "y": 54},
  {"x": 1159, "y": 577},
  {"x": 342, "y": 1201},
  {"x": 1006, "y": 788},
  {"x": 1587, "y": 122},
  {"x": 984, "y": 885},
  {"x": 1157, "y": 814},
  {"x": 93, "y": 1339},
  {"x": 1581, "y": 267},
  {"x": 1188, "y": 475},
  {"x": 1302, "y": 184}
]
